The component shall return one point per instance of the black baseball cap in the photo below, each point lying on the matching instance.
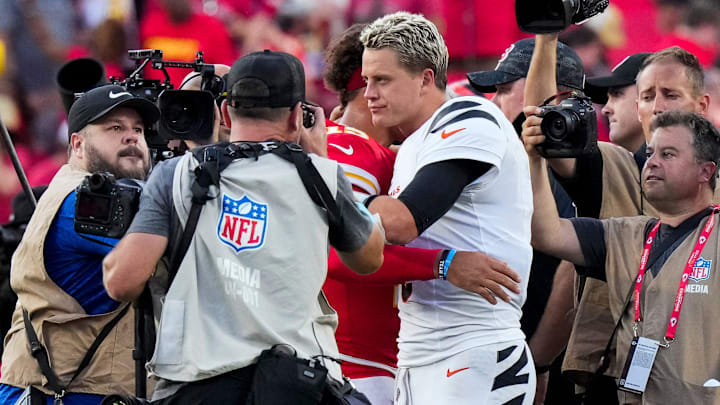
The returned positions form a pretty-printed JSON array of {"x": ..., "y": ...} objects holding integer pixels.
[
  {"x": 624, "y": 74},
  {"x": 99, "y": 101},
  {"x": 267, "y": 79},
  {"x": 515, "y": 63}
]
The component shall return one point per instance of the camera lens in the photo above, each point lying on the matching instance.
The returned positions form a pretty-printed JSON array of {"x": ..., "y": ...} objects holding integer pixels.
[
  {"x": 182, "y": 117},
  {"x": 558, "y": 125},
  {"x": 186, "y": 114},
  {"x": 100, "y": 181}
]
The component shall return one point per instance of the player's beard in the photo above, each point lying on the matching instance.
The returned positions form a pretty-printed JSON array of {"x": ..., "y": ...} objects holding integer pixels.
[{"x": 97, "y": 163}]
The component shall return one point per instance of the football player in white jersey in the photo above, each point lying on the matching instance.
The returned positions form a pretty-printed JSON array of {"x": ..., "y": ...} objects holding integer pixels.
[{"x": 461, "y": 180}]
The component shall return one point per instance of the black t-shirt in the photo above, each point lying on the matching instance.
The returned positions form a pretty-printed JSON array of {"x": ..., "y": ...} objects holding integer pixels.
[{"x": 591, "y": 235}]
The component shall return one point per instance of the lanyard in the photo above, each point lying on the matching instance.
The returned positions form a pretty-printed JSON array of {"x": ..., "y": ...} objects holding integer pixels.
[{"x": 680, "y": 296}]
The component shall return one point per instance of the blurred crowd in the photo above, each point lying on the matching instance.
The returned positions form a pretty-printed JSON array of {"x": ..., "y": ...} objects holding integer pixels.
[{"x": 38, "y": 36}]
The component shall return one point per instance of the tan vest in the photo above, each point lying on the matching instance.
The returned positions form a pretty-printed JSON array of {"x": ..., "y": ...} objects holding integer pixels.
[
  {"x": 681, "y": 370},
  {"x": 593, "y": 324},
  {"x": 59, "y": 321},
  {"x": 593, "y": 321}
]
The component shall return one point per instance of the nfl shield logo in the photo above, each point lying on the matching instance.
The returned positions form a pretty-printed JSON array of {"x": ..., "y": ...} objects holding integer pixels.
[
  {"x": 701, "y": 270},
  {"x": 242, "y": 223}
]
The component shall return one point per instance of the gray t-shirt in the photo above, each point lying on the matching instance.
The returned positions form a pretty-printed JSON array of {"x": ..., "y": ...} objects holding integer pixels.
[{"x": 156, "y": 212}]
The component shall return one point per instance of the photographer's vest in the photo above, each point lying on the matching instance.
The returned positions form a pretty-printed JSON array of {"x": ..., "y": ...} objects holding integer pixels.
[
  {"x": 621, "y": 197},
  {"x": 252, "y": 275},
  {"x": 60, "y": 322},
  {"x": 680, "y": 371}
]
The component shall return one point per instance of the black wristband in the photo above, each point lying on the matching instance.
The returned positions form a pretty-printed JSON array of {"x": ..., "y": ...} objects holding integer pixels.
[
  {"x": 441, "y": 263},
  {"x": 370, "y": 199}
]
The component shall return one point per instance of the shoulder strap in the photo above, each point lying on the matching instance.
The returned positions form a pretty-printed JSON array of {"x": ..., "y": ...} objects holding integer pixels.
[
  {"x": 312, "y": 180},
  {"x": 215, "y": 158},
  {"x": 40, "y": 354}
]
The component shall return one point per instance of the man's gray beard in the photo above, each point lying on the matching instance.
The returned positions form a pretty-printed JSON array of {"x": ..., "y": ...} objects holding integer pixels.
[{"x": 96, "y": 163}]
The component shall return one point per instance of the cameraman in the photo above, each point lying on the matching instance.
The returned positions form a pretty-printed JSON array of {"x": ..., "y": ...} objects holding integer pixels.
[
  {"x": 240, "y": 295},
  {"x": 57, "y": 272},
  {"x": 607, "y": 182}
]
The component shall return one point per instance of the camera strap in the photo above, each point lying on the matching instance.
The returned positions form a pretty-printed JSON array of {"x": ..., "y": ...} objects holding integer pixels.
[
  {"x": 39, "y": 352},
  {"x": 554, "y": 96},
  {"x": 215, "y": 158},
  {"x": 313, "y": 182}
]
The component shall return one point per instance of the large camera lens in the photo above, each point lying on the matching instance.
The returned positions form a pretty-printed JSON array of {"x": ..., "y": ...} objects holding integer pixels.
[
  {"x": 186, "y": 114},
  {"x": 79, "y": 76},
  {"x": 544, "y": 16},
  {"x": 558, "y": 125}
]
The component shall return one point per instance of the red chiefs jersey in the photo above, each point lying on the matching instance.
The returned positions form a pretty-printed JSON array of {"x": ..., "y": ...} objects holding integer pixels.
[
  {"x": 369, "y": 322},
  {"x": 368, "y": 165}
]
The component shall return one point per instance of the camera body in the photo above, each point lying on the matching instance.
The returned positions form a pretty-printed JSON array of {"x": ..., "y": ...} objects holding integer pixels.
[
  {"x": 308, "y": 116},
  {"x": 105, "y": 206},
  {"x": 570, "y": 128},
  {"x": 546, "y": 16}
]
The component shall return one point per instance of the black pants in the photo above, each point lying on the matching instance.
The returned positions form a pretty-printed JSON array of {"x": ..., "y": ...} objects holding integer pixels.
[{"x": 229, "y": 388}]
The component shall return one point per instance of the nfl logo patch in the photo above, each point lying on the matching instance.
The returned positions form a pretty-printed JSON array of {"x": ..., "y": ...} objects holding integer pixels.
[
  {"x": 701, "y": 270},
  {"x": 243, "y": 223}
]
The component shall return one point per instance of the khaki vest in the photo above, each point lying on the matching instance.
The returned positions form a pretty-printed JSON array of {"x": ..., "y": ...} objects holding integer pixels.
[
  {"x": 622, "y": 196},
  {"x": 59, "y": 321},
  {"x": 593, "y": 321},
  {"x": 679, "y": 371}
]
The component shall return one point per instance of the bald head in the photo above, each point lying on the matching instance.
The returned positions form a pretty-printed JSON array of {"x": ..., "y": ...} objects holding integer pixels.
[{"x": 193, "y": 81}]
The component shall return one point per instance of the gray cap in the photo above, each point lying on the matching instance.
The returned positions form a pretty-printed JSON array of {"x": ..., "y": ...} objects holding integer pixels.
[{"x": 515, "y": 63}]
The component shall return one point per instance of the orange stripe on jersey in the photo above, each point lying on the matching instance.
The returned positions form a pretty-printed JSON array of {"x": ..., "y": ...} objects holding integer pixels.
[
  {"x": 364, "y": 180},
  {"x": 342, "y": 129}
]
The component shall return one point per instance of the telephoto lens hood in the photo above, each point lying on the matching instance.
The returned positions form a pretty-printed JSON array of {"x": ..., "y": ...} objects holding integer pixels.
[{"x": 548, "y": 16}]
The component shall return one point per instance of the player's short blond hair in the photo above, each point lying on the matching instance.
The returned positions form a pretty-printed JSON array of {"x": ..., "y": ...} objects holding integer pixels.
[{"x": 414, "y": 38}]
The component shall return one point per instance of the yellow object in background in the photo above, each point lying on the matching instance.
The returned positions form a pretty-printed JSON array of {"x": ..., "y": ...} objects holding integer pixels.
[{"x": 3, "y": 53}]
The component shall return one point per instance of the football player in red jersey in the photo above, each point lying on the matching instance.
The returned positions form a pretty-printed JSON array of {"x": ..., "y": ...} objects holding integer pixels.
[{"x": 368, "y": 315}]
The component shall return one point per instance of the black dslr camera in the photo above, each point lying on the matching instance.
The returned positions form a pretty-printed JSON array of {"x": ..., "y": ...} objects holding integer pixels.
[
  {"x": 308, "y": 116},
  {"x": 105, "y": 206},
  {"x": 545, "y": 16},
  {"x": 570, "y": 128}
]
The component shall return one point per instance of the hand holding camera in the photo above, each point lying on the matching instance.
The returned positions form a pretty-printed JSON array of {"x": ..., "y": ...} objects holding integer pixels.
[
  {"x": 568, "y": 129},
  {"x": 532, "y": 135},
  {"x": 313, "y": 138}
]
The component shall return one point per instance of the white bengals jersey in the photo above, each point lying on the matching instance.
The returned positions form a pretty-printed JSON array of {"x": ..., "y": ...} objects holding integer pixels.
[{"x": 492, "y": 215}]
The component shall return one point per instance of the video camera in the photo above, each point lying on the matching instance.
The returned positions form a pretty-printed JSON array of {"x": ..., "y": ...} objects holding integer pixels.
[
  {"x": 184, "y": 114},
  {"x": 105, "y": 206},
  {"x": 570, "y": 128},
  {"x": 546, "y": 16}
]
